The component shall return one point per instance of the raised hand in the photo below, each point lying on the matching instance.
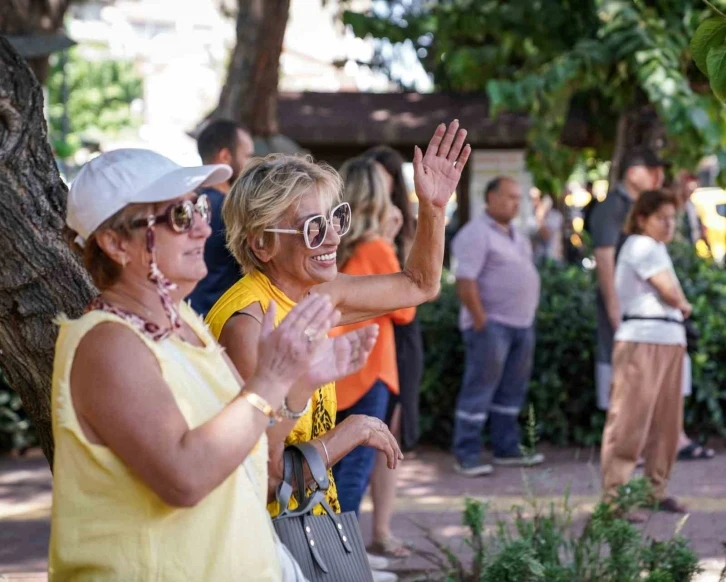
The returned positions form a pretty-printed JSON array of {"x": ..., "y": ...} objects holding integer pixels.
[{"x": 437, "y": 172}]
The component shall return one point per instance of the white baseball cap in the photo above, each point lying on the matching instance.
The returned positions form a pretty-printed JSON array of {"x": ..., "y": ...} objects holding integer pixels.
[{"x": 121, "y": 177}]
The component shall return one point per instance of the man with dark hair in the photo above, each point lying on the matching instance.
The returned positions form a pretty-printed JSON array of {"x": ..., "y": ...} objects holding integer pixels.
[
  {"x": 498, "y": 286},
  {"x": 641, "y": 170},
  {"x": 221, "y": 142}
]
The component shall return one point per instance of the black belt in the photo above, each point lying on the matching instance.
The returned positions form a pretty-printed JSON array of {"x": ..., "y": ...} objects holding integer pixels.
[{"x": 653, "y": 318}]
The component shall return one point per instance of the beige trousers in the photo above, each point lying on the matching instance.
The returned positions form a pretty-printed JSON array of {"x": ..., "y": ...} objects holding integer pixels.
[{"x": 645, "y": 415}]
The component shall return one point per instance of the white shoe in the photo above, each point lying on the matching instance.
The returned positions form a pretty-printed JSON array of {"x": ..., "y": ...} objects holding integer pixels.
[
  {"x": 520, "y": 460},
  {"x": 381, "y": 576},
  {"x": 378, "y": 562}
]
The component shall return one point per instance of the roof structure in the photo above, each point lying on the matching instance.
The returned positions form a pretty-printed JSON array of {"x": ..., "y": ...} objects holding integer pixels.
[
  {"x": 316, "y": 120},
  {"x": 31, "y": 46}
]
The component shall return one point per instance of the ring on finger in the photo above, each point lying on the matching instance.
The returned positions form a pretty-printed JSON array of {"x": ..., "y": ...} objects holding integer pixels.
[{"x": 311, "y": 335}]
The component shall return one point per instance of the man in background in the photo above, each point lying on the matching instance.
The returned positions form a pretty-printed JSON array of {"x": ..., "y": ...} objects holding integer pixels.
[
  {"x": 221, "y": 142},
  {"x": 690, "y": 226},
  {"x": 498, "y": 285},
  {"x": 641, "y": 170}
]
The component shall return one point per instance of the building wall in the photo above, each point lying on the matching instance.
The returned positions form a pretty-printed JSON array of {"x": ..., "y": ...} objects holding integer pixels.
[{"x": 488, "y": 164}]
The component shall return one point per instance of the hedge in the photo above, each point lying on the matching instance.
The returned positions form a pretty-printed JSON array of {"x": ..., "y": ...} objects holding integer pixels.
[{"x": 562, "y": 389}]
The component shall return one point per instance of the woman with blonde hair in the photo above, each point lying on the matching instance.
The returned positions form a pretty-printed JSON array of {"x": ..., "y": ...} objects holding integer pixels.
[
  {"x": 160, "y": 468},
  {"x": 284, "y": 222},
  {"x": 368, "y": 249},
  {"x": 402, "y": 416}
]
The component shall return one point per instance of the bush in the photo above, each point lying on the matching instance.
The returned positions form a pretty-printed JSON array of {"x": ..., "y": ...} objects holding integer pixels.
[
  {"x": 16, "y": 432},
  {"x": 562, "y": 389},
  {"x": 542, "y": 545}
]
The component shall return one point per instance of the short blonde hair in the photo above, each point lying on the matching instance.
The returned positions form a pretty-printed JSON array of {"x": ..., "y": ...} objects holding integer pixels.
[
  {"x": 365, "y": 190},
  {"x": 263, "y": 193}
]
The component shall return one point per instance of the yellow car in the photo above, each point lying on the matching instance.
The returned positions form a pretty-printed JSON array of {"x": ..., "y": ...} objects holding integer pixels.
[{"x": 711, "y": 205}]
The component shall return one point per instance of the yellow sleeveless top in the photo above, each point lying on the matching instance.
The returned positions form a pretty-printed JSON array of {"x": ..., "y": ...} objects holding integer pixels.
[
  {"x": 255, "y": 287},
  {"x": 107, "y": 525}
]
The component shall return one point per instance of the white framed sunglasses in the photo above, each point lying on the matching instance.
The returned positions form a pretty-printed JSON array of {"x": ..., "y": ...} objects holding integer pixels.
[{"x": 315, "y": 228}]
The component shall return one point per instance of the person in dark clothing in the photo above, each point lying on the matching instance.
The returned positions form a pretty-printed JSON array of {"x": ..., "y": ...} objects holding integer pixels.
[
  {"x": 221, "y": 142},
  {"x": 641, "y": 170}
]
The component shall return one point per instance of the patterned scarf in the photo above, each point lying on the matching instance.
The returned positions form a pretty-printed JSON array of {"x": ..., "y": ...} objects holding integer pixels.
[{"x": 163, "y": 288}]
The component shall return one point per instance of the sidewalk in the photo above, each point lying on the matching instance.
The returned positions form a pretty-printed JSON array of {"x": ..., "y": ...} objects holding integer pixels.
[{"x": 431, "y": 495}]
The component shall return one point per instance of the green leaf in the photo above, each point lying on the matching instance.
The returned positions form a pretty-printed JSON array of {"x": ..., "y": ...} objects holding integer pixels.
[
  {"x": 716, "y": 63},
  {"x": 710, "y": 34}
]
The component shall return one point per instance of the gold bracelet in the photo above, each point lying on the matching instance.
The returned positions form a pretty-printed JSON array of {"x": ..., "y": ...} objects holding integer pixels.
[{"x": 259, "y": 403}]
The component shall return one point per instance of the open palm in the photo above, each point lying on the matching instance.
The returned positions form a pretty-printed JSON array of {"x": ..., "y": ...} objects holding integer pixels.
[
  {"x": 437, "y": 172},
  {"x": 341, "y": 356}
]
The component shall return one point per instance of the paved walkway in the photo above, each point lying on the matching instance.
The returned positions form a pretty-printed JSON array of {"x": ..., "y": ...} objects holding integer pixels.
[{"x": 431, "y": 496}]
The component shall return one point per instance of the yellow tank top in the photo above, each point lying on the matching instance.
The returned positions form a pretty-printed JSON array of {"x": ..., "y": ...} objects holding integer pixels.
[
  {"x": 255, "y": 287},
  {"x": 107, "y": 525}
]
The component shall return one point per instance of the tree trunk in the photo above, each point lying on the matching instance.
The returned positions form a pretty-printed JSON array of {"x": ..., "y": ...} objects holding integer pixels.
[
  {"x": 619, "y": 148},
  {"x": 638, "y": 126},
  {"x": 25, "y": 17},
  {"x": 249, "y": 94},
  {"x": 39, "y": 275}
]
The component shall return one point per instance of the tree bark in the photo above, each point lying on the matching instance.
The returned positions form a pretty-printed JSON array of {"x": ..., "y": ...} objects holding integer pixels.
[
  {"x": 249, "y": 94},
  {"x": 638, "y": 126},
  {"x": 20, "y": 17},
  {"x": 40, "y": 276}
]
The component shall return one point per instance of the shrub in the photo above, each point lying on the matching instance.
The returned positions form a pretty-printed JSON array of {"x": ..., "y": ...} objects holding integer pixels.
[
  {"x": 562, "y": 389},
  {"x": 16, "y": 432},
  {"x": 542, "y": 545}
]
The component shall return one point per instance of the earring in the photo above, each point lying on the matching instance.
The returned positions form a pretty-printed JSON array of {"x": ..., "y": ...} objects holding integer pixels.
[{"x": 124, "y": 262}]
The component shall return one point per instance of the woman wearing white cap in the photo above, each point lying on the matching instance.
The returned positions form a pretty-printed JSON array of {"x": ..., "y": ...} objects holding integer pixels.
[{"x": 160, "y": 469}]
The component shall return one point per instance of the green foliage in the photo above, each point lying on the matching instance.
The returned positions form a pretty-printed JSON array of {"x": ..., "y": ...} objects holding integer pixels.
[
  {"x": 543, "y": 57},
  {"x": 16, "y": 432},
  {"x": 100, "y": 94},
  {"x": 542, "y": 545},
  {"x": 710, "y": 34},
  {"x": 562, "y": 389},
  {"x": 709, "y": 52}
]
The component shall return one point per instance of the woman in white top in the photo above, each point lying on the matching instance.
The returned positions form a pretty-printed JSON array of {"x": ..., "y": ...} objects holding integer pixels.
[{"x": 646, "y": 407}]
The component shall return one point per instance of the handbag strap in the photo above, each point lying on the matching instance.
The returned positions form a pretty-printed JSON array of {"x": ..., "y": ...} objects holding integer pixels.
[
  {"x": 293, "y": 477},
  {"x": 317, "y": 466},
  {"x": 284, "y": 489}
]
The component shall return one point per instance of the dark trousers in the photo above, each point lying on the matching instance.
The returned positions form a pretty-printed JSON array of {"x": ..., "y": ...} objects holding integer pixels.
[
  {"x": 353, "y": 472},
  {"x": 498, "y": 367},
  {"x": 409, "y": 357}
]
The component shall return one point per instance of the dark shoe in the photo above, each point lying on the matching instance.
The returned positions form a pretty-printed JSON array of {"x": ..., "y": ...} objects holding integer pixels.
[
  {"x": 671, "y": 505},
  {"x": 475, "y": 469},
  {"x": 520, "y": 460},
  {"x": 695, "y": 452}
]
